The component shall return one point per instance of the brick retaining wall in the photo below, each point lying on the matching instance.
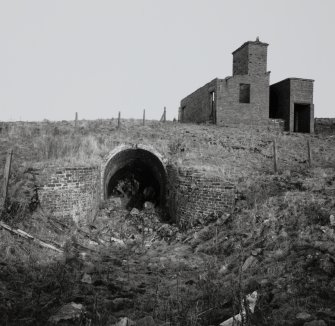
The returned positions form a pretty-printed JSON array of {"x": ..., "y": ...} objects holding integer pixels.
[
  {"x": 69, "y": 192},
  {"x": 195, "y": 197}
]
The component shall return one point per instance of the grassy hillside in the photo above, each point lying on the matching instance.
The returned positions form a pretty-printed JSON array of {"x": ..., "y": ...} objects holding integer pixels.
[
  {"x": 239, "y": 148},
  {"x": 278, "y": 240}
]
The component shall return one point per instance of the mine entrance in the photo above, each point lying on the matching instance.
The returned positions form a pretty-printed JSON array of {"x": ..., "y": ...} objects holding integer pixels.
[
  {"x": 301, "y": 117},
  {"x": 137, "y": 176}
]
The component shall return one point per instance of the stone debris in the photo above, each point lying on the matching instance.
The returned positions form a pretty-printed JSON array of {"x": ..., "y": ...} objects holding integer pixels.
[
  {"x": 251, "y": 261},
  {"x": 70, "y": 312},
  {"x": 149, "y": 205},
  {"x": 125, "y": 322},
  {"x": 118, "y": 241},
  {"x": 223, "y": 270},
  {"x": 315, "y": 323},
  {"x": 146, "y": 321},
  {"x": 134, "y": 211},
  {"x": 86, "y": 279},
  {"x": 115, "y": 201},
  {"x": 304, "y": 316},
  {"x": 251, "y": 300}
]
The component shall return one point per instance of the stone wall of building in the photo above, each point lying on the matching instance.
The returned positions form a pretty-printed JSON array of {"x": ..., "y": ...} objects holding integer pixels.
[
  {"x": 257, "y": 58},
  {"x": 196, "y": 107},
  {"x": 250, "y": 58},
  {"x": 69, "y": 192},
  {"x": 231, "y": 111},
  {"x": 195, "y": 196},
  {"x": 241, "y": 61},
  {"x": 302, "y": 92},
  {"x": 280, "y": 101},
  {"x": 285, "y": 94}
]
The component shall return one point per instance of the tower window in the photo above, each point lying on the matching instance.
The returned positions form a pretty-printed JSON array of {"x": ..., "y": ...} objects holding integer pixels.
[{"x": 244, "y": 93}]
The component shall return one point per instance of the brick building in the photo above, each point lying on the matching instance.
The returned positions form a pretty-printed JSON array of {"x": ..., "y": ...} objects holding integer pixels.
[{"x": 247, "y": 97}]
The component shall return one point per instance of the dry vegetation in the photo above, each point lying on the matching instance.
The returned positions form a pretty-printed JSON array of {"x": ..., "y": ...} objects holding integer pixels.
[{"x": 278, "y": 239}]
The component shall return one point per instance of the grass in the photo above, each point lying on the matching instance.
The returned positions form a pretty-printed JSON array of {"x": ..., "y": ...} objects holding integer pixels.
[
  {"x": 194, "y": 277},
  {"x": 246, "y": 149},
  {"x": 279, "y": 220}
]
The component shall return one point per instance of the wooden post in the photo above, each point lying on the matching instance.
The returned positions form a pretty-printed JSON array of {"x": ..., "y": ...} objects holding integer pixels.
[
  {"x": 6, "y": 175},
  {"x": 309, "y": 153},
  {"x": 119, "y": 120},
  {"x": 76, "y": 120},
  {"x": 275, "y": 158},
  {"x": 164, "y": 119},
  {"x": 143, "y": 117}
]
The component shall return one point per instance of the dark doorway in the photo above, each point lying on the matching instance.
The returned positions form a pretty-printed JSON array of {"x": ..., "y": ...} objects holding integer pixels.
[
  {"x": 182, "y": 114},
  {"x": 137, "y": 176},
  {"x": 302, "y": 113}
]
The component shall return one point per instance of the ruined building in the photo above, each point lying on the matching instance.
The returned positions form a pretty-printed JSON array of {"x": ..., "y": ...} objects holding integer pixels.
[{"x": 247, "y": 97}]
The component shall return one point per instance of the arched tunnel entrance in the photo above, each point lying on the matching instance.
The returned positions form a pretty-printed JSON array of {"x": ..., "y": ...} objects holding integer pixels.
[{"x": 136, "y": 175}]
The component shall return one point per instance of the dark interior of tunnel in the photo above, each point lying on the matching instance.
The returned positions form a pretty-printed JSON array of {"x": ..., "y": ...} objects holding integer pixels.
[{"x": 137, "y": 176}]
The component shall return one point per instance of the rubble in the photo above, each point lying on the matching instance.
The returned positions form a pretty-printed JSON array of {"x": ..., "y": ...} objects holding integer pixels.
[{"x": 69, "y": 312}]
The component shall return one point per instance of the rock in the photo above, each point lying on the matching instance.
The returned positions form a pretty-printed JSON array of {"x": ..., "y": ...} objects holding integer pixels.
[
  {"x": 251, "y": 300},
  {"x": 264, "y": 282},
  {"x": 256, "y": 251},
  {"x": 89, "y": 267},
  {"x": 121, "y": 303},
  {"x": 223, "y": 270},
  {"x": 327, "y": 265},
  {"x": 71, "y": 312},
  {"x": 118, "y": 241},
  {"x": 125, "y": 322},
  {"x": 332, "y": 220},
  {"x": 146, "y": 321},
  {"x": 251, "y": 261},
  {"x": 115, "y": 201},
  {"x": 304, "y": 316},
  {"x": 315, "y": 323},
  {"x": 86, "y": 279},
  {"x": 149, "y": 205},
  {"x": 134, "y": 211},
  {"x": 93, "y": 243}
]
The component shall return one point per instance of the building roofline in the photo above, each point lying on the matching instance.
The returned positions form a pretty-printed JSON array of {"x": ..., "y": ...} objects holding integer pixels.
[
  {"x": 250, "y": 42},
  {"x": 207, "y": 84},
  {"x": 293, "y": 78}
]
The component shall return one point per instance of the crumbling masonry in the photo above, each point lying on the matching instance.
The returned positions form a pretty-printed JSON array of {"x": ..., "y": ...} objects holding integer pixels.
[{"x": 247, "y": 97}]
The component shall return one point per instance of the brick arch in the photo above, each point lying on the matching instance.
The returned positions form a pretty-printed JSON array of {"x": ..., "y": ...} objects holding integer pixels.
[{"x": 143, "y": 156}]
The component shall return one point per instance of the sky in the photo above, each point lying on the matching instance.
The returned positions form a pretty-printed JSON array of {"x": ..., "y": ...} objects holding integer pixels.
[{"x": 97, "y": 58}]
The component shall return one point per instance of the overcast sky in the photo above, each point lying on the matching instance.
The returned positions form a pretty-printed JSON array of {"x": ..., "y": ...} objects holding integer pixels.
[{"x": 100, "y": 57}]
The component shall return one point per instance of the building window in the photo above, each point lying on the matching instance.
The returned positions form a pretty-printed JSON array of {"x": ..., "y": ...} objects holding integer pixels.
[{"x": 244, "y": 93}]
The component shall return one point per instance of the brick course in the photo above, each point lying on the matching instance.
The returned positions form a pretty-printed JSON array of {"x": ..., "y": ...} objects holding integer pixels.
[
  {"x": 69, "y": 192},
  {"x": 195, "y": 197}
]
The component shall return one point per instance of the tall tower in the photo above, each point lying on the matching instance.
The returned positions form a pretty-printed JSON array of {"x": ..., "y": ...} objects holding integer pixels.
[{"x": 250, "y": 59}]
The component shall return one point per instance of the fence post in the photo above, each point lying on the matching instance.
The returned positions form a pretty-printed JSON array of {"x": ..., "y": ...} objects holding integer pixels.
[
  {"x": 119, "y": 120},
  {"x": 143, "y": 117},
  {"x": 309, "y": 153},
  {"x": 275, "y": 157},
  {"x": 6, "y": 176},
  {"x": 76, "y": 120},
  {"x": 164, "y": 119}
]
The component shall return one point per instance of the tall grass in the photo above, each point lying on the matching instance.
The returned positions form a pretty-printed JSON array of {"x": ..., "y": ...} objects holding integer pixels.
[{"x": 245, "y": 149}]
